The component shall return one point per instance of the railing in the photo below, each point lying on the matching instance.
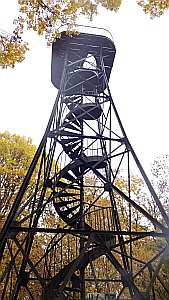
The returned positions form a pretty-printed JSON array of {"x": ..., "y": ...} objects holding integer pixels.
[
  {"x": 61, "y": 250},
  {"x": 64, "y": 248},
  {"x": 90, "y": 30},
  {"x": 92, "y": 147},
  {"x": 100, "y": 218}
]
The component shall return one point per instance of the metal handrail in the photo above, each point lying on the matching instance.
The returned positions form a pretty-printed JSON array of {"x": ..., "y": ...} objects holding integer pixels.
[{"x": 89, "y": 30}]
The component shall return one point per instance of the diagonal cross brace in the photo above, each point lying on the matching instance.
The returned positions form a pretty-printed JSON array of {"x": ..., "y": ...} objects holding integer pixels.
[
  {"x": 120, "y": 269},
  {"x": 30, "y": 263},
  {"x": 75, "y": 264}
]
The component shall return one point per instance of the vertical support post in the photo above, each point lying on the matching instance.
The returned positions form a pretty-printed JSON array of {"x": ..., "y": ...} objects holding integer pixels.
[{"x": 82, "y": 226}]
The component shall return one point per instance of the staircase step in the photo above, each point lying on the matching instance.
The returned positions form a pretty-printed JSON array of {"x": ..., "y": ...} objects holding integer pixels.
[
  {"x": 69, "y": 151},
  {"x": 70, "y": 126},
  {"x": 72, "y": 105},
  {"x": 71, "y": 140},
  {"x": 68, "y": 176},
  {"x": 57, "y": 205},
  {"x": 66, "y": 194},
  {"x": 76, "y": 171},
  {"x": 73, "y": 119},
  {"x": 77, "y": 150},
  {"x": 88, "y": 111},
  {"x": 78, "y": 167},
  {"x": 99, "y": 165},
  {"x": 72, "y": 100},
  {"x": 65, "y": 213},
  {"x": 64, "y": 185},
  {"x": 73, "y": 218},
  {"x": 72, "y": 154}
]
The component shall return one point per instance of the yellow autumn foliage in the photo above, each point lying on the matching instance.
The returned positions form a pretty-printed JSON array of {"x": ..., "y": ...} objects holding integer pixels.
[
  {"x": 154, "y": 8},
  {"x": 16, "y": 154},
  {"x": 48, "y": 16},
  {"x": 12, "y": 51}
]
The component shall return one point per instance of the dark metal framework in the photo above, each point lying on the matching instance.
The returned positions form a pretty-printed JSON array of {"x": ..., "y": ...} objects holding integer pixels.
[{"x": 84, "y": 213}]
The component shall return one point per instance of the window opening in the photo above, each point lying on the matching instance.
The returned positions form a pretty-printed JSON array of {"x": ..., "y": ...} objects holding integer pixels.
[{"x": 90, "y": 62}]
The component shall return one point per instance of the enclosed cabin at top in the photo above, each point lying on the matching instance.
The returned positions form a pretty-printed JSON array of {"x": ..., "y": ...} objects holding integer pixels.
[{"x": 82, "y": 64}]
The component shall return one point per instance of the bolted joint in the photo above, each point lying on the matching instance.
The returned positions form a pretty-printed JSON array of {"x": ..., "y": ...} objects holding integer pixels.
[{"x": 107, "y": 187}]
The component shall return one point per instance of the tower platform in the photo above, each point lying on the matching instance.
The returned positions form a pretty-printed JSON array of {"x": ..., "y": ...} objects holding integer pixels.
[{"x": 74, "y": 52}]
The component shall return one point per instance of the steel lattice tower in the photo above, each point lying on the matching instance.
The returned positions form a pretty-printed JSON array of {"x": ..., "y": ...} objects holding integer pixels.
[{"x": 83, "y": 193}]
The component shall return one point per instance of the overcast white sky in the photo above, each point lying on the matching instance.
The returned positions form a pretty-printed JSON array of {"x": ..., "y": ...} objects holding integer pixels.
[{"x": 139, "y": 79}]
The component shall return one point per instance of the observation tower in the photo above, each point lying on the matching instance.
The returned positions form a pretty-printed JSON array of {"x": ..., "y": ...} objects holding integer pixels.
[{"x": 84, "y": 230}]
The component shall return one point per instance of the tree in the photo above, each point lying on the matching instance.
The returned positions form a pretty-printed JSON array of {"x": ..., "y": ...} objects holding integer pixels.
[
  {"x": 48, "y": 16},
  {"x": 12, "y": 49},
  {"x": 160, "y": 172},
  {"x": 16, "y": 154},
  {"x": 160, "y": 175},
  {"x": 153, "y": 7}
]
